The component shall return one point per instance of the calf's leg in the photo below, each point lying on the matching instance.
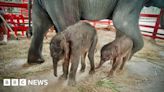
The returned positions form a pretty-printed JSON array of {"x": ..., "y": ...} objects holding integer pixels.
[
  {"x": 91, "y": 55},
  {"x": 74, "y": 65},
  {"x": 116, "y": 63},
  {"x": 83, "y": 65}
]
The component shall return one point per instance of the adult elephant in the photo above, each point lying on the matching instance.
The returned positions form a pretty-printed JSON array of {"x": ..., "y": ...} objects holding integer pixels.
[{"x": 63, "y": 13}]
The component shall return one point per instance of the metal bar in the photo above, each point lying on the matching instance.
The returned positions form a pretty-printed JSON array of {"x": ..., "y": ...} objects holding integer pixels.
[
  {"x": 157, "y": 25},
  {"x": 8, "y": 26},
  {"x": 149, "y": 15},
  {"x": 29, "y": 16},
  {"x": 18, "y": 5}
]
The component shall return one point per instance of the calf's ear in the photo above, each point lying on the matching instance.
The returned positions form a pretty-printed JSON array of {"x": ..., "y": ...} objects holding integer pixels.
[
  {"x": 66, "y": 47},
  {"x": 67, "y": 50}
]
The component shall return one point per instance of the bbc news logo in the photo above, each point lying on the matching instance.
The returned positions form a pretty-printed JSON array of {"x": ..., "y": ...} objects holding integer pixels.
[{"x": 24, "y": 82}]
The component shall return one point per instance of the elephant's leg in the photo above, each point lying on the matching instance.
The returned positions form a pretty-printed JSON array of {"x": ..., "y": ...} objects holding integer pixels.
[
  {"x": 83, "y": 65},
  {"x": 41, "y": 23},
  {"x": 125, "y": 59},
  {"x": 67, "y": 53},
  {"x": 65, "y": 69},
  {"x": 116, "y": 63},
  {"x": 126, "y": 18},
  {"x": 123, "y": 62},
  {"x": 74, "y": 65},
  {"x": 91, "y": 54}
]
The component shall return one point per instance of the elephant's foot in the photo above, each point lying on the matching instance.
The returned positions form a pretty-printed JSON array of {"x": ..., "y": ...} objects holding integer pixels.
[
  {"x": 120, "y": 71},
  {"x": 91, "y": 71},
  {"x": 71, "y": 82},
  {"x": 82, "y": 70},
  {"x": 111, "y": 74},
  {"x": 63, "y": 77},
  {"x": 55, "y": 74},
  {"x": 35, "y": 60}
]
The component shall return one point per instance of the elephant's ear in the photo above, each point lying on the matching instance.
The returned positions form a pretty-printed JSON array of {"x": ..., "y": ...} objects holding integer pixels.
[
  {"x": 67, "y": 51},
  {"x": 66, "y": 47}
]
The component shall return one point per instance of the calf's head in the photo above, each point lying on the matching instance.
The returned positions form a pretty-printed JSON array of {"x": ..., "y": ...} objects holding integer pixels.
[
  {"x": 58, "y": 49},
  {"x": 108, "y": 52}
]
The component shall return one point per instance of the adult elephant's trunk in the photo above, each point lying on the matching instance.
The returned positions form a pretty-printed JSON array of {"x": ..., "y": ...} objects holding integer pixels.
[{"x": 55, "y": 66}]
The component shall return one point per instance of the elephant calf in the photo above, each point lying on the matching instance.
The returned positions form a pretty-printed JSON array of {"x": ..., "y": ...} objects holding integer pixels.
[
  {"x": 119, "y": 51},
  {"x": 72, "y": 43}
]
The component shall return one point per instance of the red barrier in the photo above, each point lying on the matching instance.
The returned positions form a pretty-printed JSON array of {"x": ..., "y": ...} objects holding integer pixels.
[
  {"x": 17, "y": 23},
  {"x": 149, "y": 15},
  {"x": 155, "y": 27},
  {"x": 17, "y": 5}
]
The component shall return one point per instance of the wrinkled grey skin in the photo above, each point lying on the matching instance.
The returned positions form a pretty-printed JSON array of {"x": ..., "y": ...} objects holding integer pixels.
[
  {"x": 119, "y": 51},
  {"x": 63, "y": 13},
  {"x": 77, "y": 40}
]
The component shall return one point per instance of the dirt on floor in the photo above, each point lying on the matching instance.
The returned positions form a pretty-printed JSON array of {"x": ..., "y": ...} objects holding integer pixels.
[{"x": 143, "y": 73}]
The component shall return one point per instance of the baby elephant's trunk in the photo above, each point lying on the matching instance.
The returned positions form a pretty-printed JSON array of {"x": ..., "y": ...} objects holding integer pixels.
[{"x": 55, "y": 67}]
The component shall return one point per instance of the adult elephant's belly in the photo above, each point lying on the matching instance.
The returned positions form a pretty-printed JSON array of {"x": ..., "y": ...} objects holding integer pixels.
[{"x": 97, "y": 9}]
